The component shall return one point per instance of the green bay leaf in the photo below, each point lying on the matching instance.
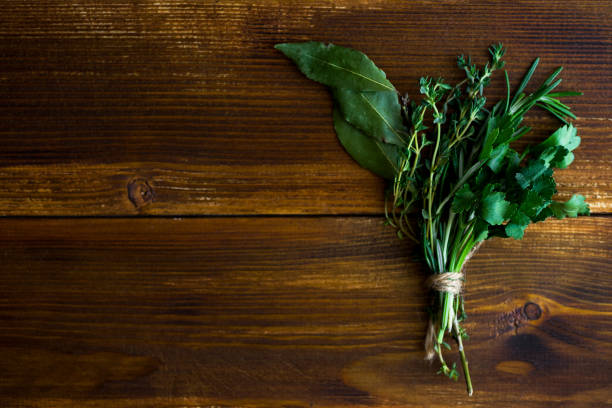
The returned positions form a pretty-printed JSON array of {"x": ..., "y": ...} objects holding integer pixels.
[
  {"x": 377, "y": 114},
  {"x": 336, "y": 66},
  {"x": 380, "y": 158}
]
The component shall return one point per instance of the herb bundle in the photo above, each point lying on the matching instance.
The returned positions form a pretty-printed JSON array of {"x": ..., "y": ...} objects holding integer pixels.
[{"x": 454, "y": 178}]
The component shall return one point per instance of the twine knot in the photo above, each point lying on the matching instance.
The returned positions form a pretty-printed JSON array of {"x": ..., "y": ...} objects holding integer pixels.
[{"x": 449, "y": 282}]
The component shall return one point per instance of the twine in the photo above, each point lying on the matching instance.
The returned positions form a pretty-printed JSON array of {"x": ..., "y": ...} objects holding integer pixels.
[{"x": 448, "y": 282}]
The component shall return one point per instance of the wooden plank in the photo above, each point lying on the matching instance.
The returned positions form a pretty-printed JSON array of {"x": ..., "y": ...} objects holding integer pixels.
[
  {"x": 299, "y": 311},
  {"x": 188, "y": 106}
]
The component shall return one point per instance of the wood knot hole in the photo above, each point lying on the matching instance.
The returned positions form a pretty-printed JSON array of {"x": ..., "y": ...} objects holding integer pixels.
[
  {"x": 532, "y": 311},
  {"x": 140, "y": 192}
]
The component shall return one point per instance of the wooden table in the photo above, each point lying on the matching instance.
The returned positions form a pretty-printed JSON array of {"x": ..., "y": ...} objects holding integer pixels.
[{"x": 181, "y": 227}]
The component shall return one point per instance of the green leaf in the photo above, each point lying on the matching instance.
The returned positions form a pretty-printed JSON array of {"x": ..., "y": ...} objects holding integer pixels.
[
  {"x": 525, "y": 80},
  {"x": 517, "y": 225},
  {"x": 489, "y": 140},
  {"x": 377, "y": 114},
  {"x": 533, "y": 203},
  {"x": 497, "y": 157},
  {"x": 464, "y": 199},
  {"x": 544, "y": 214},
  {"x": 512, "y": 161},
  {"x": 515, "y": 231},
  {"x": 566, "y": 138},
  {"x": 380, "y": 158},
  {"x": 494, "y": 209},
  {"x": 530, "y": 173},
  {"x": 547, "y": 155},
  {"x": 336, "y": 66},
  {"x": 545, "y": 186},
  {"x": 481, "y": 230},
  {"x": 571, "y": 208},
  {"x": 563, "y": 158}
]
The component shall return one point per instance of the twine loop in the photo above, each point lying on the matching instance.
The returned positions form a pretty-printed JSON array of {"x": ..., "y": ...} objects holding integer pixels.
[{"x": 449, "y": 282}]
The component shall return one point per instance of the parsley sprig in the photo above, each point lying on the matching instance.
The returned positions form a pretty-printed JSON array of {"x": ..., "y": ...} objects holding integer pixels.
[{"x": 450, "y": 161}]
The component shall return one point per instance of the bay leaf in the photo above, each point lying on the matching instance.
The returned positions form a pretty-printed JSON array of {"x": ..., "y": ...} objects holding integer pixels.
[
  {"x": 380, "y": 158},
  {"x": 336, "y": 66},
  {"x": 377, "y": 114}
]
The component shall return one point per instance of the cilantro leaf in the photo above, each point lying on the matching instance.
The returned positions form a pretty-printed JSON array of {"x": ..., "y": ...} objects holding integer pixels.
[
  {"x": 545, "y": 186},
  {"x": 571, "y": 208},
  {"x": 464, "y": 199},
  {"x": 517, "y": 225},
  {"x": 565, "y": 141},
  {"x": 494, "y": 209},
  {"x": 530, "y": 173},
  {"x": 533, "y": 203}
]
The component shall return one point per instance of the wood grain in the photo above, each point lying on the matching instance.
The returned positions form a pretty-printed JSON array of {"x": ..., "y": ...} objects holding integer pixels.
[
  {"x": 183, "y": 108},
  {"x": 298, "y": 311},
  {"x": 190, "y": 101}
]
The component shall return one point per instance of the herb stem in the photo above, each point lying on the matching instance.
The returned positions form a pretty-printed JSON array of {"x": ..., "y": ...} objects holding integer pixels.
[
  {"x": 464, "y": 362},
  {"x": 431, "y": 176},
  {"x": 458, "y": 185},
  {"x": 449, "y": 226},
  {"x": 507, "y": 92}
]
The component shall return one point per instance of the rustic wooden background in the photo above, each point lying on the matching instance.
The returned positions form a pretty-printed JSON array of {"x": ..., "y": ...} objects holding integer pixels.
[{"x": 181, "y": 228}]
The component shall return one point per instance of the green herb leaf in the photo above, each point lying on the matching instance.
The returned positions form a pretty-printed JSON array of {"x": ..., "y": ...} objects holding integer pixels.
[
  {"x": 531, "y": 172},
  {"x": 545, "y": 186},
  {"x": 566, "y": 138},
  {"x": 494, "y": 209},
  {"x": 380, "y": 158},
  {"x": 377, "y": 114},
  {"x": 517, "y": 225},
  {"x": 485, "y": 153},
  {"x": 336, "y": 66},
  {"x": 497, "y": 156},
  {"x": 571, "y": 208},
  {"x": 533, "y": 203},
  {"x": 481, "y": 230},
  {"x": 464, "y": 199}
]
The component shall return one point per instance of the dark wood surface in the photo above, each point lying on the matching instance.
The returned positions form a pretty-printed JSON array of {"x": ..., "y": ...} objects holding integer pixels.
[
  {"x": 190, "y": 98},
  {"x": 181, "y": 228},
  {"x": 306, "y": 311}
]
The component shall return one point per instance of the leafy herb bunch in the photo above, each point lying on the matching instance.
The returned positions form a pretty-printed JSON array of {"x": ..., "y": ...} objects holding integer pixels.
[{"x": 455, "y": 180}]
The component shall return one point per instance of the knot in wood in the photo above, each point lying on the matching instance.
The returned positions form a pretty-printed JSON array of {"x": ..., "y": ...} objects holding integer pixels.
[
  {"x": 532, "y": 311},
  {"x": 140, "y": 192}
]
